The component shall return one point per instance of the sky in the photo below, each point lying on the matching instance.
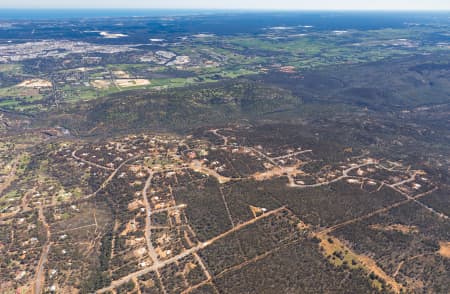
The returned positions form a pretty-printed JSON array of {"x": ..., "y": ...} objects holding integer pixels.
[{"x": 236, "y": 4}]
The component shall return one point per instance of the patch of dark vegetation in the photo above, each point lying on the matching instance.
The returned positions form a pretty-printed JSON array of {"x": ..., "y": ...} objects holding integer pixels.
[
  {"x": 402, "y": 235},
  {"x": 269, "y": 234},
  {"x": 298, "y": 266},
  {"x": 176, "y": 109},
  {"x": 438, "y": 200},
  {"x": 321, "y": 206},
  {"x": 150, "y": 283},
  {"x": 205, "y": 210}
]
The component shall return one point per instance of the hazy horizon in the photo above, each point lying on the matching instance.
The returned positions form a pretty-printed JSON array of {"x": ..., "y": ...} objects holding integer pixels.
[{"x": 344, "y": 5}]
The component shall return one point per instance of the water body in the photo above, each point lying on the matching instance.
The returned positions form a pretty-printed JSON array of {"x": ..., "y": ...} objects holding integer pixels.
[
  {"x": 320, "y": 19},
  {"x": 141, "y": 25}
]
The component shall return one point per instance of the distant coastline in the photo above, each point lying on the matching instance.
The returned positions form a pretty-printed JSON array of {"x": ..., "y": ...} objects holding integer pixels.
[
  {"x": 36, "y": 14},
  {"x": 67, "y": 13}
]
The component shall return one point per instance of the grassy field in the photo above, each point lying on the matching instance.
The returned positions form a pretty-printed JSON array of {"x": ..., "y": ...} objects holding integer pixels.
[{"x": 21, "y": 99}]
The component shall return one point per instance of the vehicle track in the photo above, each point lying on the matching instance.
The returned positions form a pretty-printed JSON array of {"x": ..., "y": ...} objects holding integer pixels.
[{"x": 200, "y": 246}]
